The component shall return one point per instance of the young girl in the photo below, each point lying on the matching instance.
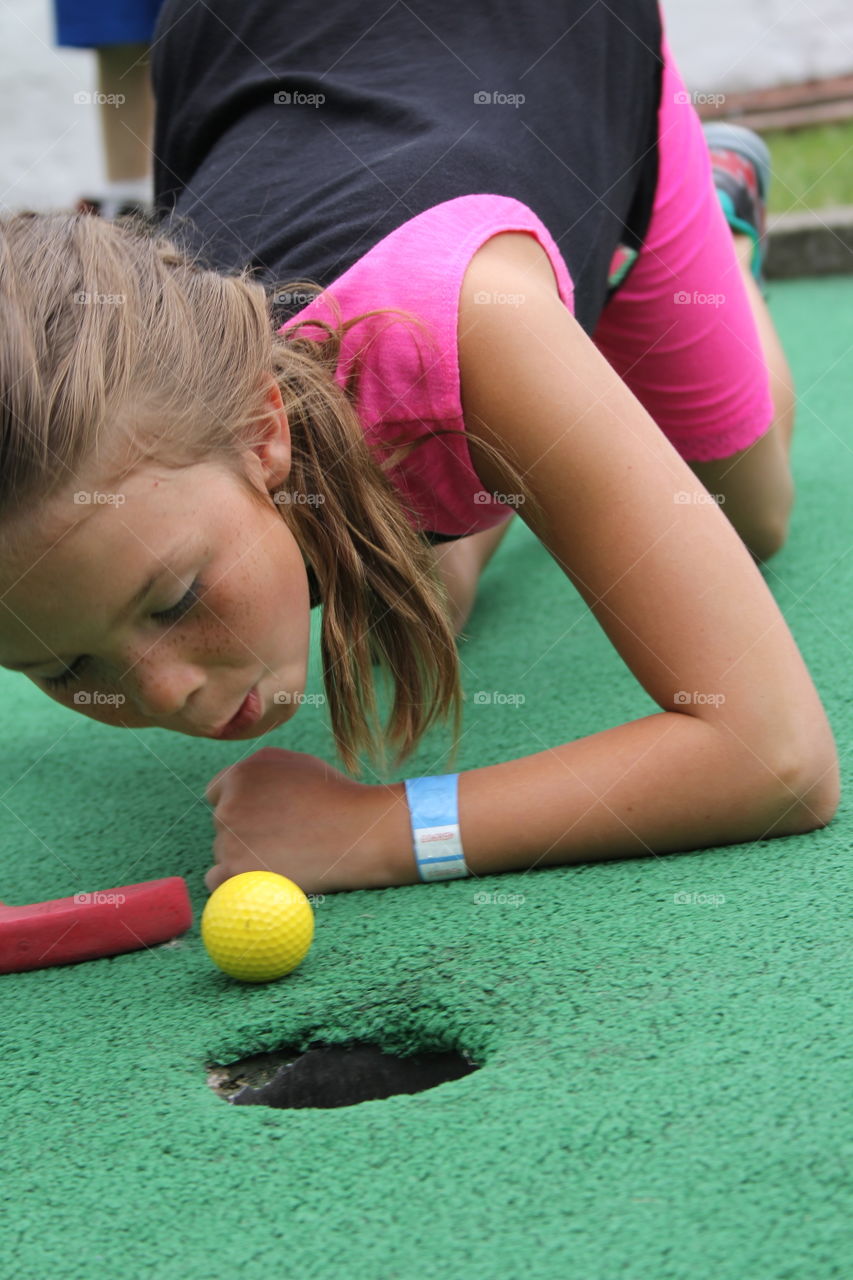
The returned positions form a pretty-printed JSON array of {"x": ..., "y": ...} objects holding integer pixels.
[{"x": 511, "y": 287}]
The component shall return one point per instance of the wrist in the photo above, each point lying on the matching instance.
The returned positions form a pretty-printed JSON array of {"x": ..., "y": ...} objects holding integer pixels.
[{"x": 389, "y": 854}]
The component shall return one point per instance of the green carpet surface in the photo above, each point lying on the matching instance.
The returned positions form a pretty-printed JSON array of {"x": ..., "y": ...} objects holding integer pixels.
[{"x": 664, "y": 1086}]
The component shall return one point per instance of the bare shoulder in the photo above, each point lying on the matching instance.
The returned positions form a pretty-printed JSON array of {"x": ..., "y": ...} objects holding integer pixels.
[
  {"x": 507, "y": 298},
  {"x": 514, "y": 251}
]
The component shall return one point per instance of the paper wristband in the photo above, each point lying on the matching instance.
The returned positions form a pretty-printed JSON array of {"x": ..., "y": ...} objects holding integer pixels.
[{"x": 434, "y": 814}]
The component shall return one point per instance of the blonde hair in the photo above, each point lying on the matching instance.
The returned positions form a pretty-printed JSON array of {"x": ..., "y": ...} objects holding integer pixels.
[{"x": 190, "y": 348}]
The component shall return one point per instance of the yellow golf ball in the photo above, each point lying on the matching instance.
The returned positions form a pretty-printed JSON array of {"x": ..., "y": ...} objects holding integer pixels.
[{"x": 257, "y": 926}]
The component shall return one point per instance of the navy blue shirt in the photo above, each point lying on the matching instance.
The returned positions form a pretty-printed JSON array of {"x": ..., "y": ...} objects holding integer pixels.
[{"x": 292, "y": 136}]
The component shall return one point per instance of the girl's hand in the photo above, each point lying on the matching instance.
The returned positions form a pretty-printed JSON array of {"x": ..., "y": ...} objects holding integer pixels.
[{"x": 294, "y": 814}]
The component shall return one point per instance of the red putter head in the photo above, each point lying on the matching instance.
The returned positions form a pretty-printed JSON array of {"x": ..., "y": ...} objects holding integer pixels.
[{"x": 91, "y": 925}]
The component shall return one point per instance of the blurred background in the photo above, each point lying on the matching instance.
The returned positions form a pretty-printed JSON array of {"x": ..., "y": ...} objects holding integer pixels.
[{"x": 784, "y": 67}]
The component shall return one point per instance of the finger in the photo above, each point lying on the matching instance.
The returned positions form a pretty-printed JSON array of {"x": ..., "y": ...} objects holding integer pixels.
[
  {"x": 213, "y": 790},
  {"x": 215, "y": 877}
]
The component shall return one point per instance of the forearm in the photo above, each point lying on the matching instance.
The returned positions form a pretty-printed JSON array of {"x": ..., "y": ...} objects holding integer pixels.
[{"x": 669, "y": 782}]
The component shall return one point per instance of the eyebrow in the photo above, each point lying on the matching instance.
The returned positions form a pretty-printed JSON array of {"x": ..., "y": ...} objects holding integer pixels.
[{"x": 146, "y": 588}]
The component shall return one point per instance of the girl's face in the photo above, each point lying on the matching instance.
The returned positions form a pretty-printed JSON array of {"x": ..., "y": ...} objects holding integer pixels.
[{"x": 171, "y": 659}]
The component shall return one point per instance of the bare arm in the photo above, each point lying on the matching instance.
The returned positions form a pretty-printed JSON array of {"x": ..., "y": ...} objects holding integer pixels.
[{"x": 671, "y": 584}]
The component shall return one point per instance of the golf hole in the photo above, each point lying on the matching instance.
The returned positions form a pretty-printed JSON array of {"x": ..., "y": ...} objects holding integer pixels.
[{"x": 332, "y": 1075}]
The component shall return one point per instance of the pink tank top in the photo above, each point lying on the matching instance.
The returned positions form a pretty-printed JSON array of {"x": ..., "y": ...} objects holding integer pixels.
[{"x": 419, "y": 268}]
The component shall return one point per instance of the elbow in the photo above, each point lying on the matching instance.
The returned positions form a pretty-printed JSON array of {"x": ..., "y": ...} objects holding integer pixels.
[
  {"x": 820, "y": 796},
  {"x": 811, "y": 793}
]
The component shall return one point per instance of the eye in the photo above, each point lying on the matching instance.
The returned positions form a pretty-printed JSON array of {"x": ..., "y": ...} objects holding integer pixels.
[
  {"x": 174, "y": 614},
  {"x": 60, "y": 682},
  {"x": 183, "y": 606}
]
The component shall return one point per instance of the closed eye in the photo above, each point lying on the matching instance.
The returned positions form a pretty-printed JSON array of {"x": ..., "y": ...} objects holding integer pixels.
[{"x": 167, "y": 616}]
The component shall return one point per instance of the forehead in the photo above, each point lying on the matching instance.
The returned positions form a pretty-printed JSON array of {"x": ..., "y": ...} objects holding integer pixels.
[
  {"x": 83, "y": 535},
  {"x": 52, "y": 519}
]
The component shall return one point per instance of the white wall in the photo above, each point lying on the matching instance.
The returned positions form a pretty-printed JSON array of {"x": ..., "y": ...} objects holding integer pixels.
[
  {"x": 735, "y": 45},
  {"x": 50, "y": 149}
]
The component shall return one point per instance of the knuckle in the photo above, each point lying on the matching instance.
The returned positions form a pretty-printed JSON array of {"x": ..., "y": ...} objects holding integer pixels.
[{"x": 225, "y": 815}]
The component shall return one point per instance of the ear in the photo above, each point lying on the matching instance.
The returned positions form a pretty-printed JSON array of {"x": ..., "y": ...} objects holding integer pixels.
[{"x": 273, "y": 451}]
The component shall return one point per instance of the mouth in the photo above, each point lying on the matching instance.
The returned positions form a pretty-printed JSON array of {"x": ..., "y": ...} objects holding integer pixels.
[{"x": 247, "y": 713}]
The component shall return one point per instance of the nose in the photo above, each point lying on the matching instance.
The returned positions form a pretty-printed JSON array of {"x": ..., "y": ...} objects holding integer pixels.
[{"x": 160, "y": 687}]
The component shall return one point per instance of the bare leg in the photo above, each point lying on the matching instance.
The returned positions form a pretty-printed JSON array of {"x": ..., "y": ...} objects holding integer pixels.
[
  {"x": 126, "y": 129},
  {"x": 755, "y": 484},
  {"x": 460, "y": 564},
  {"x": 781, "y": 380}
]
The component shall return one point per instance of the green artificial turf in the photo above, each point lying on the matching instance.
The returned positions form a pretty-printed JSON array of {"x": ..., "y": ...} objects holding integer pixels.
[
  {"x": 812, "y": 168},
  {"x": 664, "y": 1087}
]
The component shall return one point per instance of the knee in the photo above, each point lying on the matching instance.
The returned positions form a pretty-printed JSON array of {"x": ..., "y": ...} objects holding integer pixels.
[
  {"x": 765, "y": 531},
  {"x": 458, "y": 569},
  {"x": 766, "y": 542},
  {"x": 461, "y": 603}
]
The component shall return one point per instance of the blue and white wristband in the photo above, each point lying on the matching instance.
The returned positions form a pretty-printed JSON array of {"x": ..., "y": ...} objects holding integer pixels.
[{"x": 434, "y": 814}]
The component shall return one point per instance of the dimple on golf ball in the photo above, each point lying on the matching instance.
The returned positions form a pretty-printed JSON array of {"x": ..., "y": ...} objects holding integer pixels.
[{"x": 257, "y": 926}]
